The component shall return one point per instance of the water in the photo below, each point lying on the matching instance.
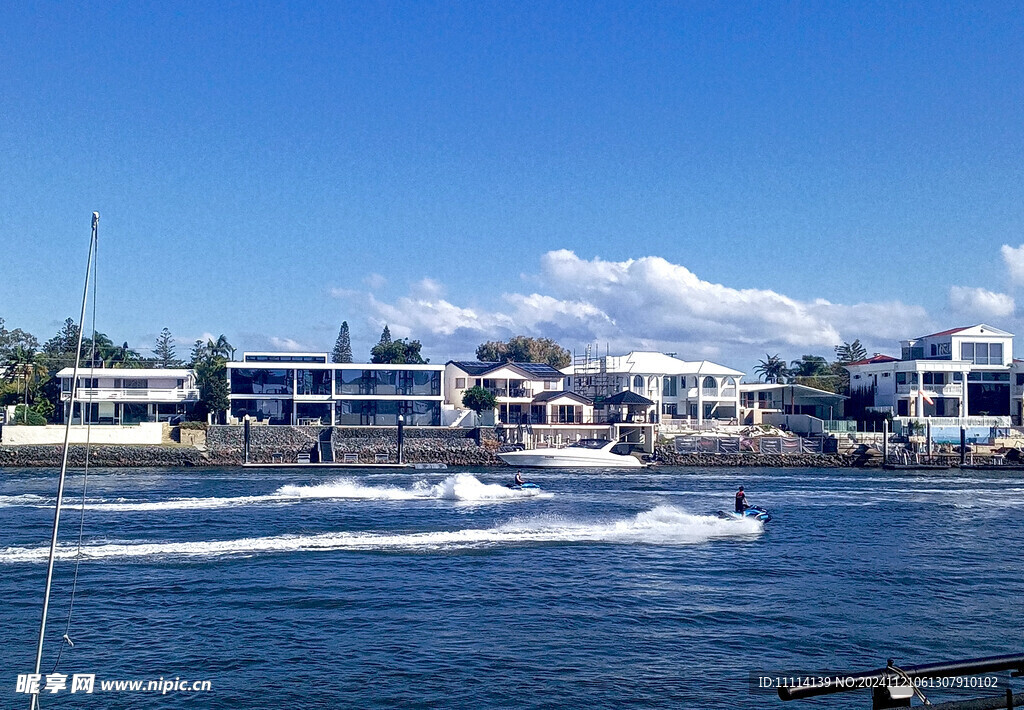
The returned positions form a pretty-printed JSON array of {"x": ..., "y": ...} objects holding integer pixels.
[{"x": 446, "y": 590}]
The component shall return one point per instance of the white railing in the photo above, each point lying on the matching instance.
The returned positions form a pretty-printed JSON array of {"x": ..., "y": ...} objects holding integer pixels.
[
  {"x": 948, "y": 390},
  {"x": 133, "y": 395}
]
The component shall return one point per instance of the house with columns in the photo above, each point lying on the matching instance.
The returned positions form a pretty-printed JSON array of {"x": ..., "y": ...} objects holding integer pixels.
[{"x": 960, "y": 372}]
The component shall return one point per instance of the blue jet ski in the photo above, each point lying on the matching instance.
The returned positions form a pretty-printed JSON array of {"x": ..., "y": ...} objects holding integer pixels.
[
  {"x": 752, "y": 512},
  {"x": 521, "y": 486}
]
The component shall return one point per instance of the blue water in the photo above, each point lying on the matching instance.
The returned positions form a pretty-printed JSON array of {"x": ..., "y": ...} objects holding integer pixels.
[{"x": 442, "y": 589}]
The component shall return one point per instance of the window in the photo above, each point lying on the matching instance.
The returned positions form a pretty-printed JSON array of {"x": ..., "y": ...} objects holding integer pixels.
[
  {"x": 549, "y": 384},
  {"x": 884, "y": 374},
  {"x": 1020, "y": 379},
  {"x": 901, "y": 378},
  {"x": 180, "y": 384},
  {"x": 136, "y": 384},
  {"x": 259, "y": 381},
  {"x": 958, "y": 377},
  {"x": 638, "y": 383},
  {"x": 313, "y": 382},
  {"x": 709, "y": 384},
  {"x": 90, "y": 382},
  {"x": 935, "y": 378},
  {"x": 460, "y": 383},
  {"x": 669, "y": 386},
  {"x": 982, "y": 353}
]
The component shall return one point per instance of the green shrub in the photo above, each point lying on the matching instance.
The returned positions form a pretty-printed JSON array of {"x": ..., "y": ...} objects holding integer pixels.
[
  {"x": 33, "y": 418},
  {"x": 193, "y": 425}
]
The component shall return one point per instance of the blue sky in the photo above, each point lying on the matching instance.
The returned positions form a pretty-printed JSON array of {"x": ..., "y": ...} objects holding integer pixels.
[{"x": 718, "y": 180}]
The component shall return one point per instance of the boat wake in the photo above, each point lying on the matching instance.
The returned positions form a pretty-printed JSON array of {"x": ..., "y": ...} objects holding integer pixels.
[
  {"x": 663, "y": 525},
  {"x": 461, "y": 487}
]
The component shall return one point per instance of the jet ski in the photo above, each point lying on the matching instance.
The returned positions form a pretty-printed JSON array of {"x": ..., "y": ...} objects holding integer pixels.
[
  {"x": 521, "y": 486},
  {"x": 753, "y": 512}
]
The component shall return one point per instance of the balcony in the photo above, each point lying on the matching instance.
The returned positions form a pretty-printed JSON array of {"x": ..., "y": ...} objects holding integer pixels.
[
  {"x": 105, "y": 394},
  {"x": 511, "y": 393},
  {"x": 950, "y": 390}
]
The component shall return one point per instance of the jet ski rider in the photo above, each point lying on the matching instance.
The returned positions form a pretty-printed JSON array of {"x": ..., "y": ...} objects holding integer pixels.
[
  {"x": 741, "y": 501},
  {"x": 519, "y": 478}
]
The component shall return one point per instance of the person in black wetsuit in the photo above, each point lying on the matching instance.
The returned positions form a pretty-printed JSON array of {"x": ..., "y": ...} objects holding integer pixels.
[
  {"x": 519, "y": 478},
  {"x": 741, "y": 501}
]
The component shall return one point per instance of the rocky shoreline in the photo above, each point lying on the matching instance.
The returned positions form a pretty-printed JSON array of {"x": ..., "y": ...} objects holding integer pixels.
[{"x": 224, "y": 446}]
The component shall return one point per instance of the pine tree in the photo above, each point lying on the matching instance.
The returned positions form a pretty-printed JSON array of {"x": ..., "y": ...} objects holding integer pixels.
[
  {"x": 342, "y": 346},
  {"x": 163, "y": 353},
  {"x": 385, "y": 336}
]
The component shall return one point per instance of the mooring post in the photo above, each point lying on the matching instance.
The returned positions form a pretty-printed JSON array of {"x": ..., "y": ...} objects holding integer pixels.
[
  {"x": 246, "y": 432},
  {"x": 963, "y": 446},
  {"x": 401, "y": 437}
]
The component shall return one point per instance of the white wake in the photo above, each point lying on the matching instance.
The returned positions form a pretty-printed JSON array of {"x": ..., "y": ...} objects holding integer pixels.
[
  {"x": 663, "y": 525},
  {"x": 461, "y": 487}
]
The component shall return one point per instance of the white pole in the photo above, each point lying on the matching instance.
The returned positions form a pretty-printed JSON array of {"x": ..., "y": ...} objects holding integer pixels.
[{"x": 64, "y": 460}]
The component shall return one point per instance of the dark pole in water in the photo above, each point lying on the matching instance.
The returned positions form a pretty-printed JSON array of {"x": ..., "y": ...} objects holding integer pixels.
[
  {"x": 245, "y": 444},
  {"x": 401, "y": 436},
  {"x": 963, "y": 446}
]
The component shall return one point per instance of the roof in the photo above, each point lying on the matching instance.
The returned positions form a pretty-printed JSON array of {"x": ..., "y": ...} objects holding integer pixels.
[
  {"x": 538, "y": 370},
  {"x": 560, "y": 394},
  {"x": 874, "y": 360},
  {"x": 943, "y": 332},
  {"x": 654, "y": 363},
  {"x": 627, "y": 397},
  {"x": 954, "y": 331},
  {"x": 126, "y": 372}
]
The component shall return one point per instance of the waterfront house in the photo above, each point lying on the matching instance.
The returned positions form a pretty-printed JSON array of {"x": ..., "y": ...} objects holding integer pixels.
[
  {"x": 662, "y": 387},
  {"x": 526, "y": 392},
  {"x": 305, "y": 388},
  {"x": 129, "y": 395},
  {"x": 961, "y": 372}
]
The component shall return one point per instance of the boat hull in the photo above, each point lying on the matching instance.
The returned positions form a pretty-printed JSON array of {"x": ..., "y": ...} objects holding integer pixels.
[{"x": 562, "y": 458}]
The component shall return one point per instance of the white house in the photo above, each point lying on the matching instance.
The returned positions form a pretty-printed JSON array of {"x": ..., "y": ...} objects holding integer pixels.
[
  {"x": 961, "y": 372},
  {"x": 674, "y": 389},
  {"x": 526, "y": 392},
  {"x": 306, "y": 388},
  {"x": 129, "y": 395}
]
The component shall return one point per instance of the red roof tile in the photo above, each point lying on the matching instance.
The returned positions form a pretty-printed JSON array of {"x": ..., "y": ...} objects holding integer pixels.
[
  {"x": 875, "y": 360},
  {"x": 944, "y": 332}
]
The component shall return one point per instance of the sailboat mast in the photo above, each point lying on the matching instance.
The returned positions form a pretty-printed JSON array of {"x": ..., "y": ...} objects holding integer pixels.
[{"x": 64, "y": 460}]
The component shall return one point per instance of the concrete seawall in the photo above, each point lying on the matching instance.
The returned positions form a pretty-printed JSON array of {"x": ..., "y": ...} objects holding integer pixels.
[{"x": 364, "y": 445}]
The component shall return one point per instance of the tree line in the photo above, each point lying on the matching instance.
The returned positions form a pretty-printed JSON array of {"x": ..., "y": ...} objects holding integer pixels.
[
  {"x": 29, "y": 370},
  {"x": 814, "y": 370}
]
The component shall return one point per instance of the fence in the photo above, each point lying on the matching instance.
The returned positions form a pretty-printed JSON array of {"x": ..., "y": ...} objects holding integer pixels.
[{"x": 754, "y": 445}]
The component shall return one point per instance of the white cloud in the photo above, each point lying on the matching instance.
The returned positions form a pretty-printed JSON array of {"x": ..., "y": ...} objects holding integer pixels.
[
  {"x": 286, "y": 345},
  {"x": 375, "y": 281},
  {"x": 646, "y": 303},
  {"x": 1014, "y": 259},
  {"x": 980, "y": 302}
]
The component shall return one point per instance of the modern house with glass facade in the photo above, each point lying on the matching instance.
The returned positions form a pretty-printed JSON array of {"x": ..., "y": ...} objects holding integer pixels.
[
  {"x": 128, "y": 395},
  {"x": 961, "y": 372},
  {"x": 306, "y": 388}
]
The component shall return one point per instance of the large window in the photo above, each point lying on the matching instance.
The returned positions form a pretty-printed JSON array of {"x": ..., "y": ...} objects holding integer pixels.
[
  {"x": 275, "y": 411},
  {"x": 982, "y": 353},
  {"x": 313, "y": 381},
  {"x": 369, "y": 412},
  {"x": 350, "y": 382},
  {"x": 259, "y": 381},
  {"x": 425, "y": 382}
]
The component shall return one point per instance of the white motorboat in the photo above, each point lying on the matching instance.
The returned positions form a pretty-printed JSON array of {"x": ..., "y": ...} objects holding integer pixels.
[{"x": 585, "y": 453}]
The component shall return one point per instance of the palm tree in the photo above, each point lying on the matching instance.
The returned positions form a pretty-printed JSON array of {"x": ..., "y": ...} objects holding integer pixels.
[
  {"x": 222, "y": 348},
  {"x": 772, "y": 368},
  {"x": 27, "y": 366}
]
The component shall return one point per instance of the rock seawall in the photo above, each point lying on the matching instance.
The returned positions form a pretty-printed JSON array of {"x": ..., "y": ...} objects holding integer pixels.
[
  {"x": 362, "y": 445},
  {"x": 111, "y": 455},
  {"x": 668, "y": 457}
]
